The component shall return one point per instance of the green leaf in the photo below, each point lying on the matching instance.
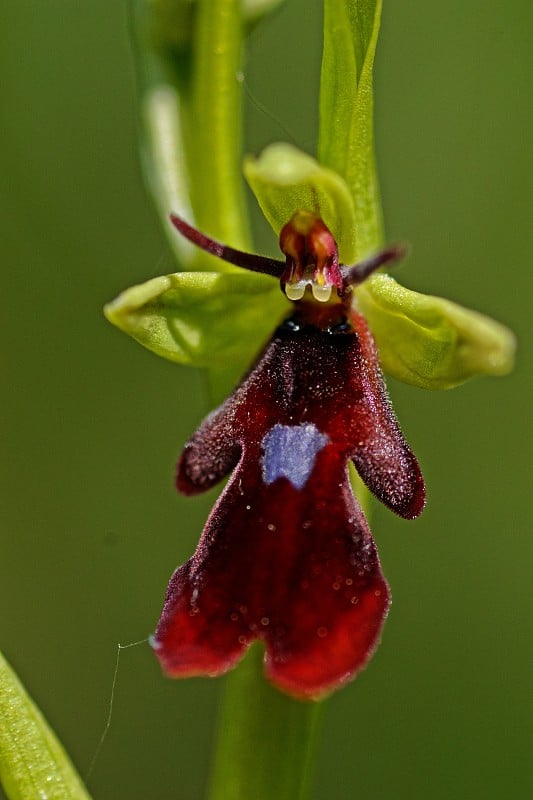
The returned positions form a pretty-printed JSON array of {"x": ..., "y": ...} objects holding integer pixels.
[
  {"x": 33, "y": 764},
  {"x": 431, "y": 342},
  {"x": 346, "y": 126},
  {"x": 285, "y": 180},
  {"x": 205, "y": 319}
]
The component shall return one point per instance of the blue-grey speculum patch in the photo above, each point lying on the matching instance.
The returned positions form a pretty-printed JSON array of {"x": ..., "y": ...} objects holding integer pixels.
[{"x": 290, "y": 451}]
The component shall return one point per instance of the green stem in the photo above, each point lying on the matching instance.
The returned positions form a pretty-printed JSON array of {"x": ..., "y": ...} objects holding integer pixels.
[
  {"x": 265, "y": 740},
  {"x": 217, "y": 188}
]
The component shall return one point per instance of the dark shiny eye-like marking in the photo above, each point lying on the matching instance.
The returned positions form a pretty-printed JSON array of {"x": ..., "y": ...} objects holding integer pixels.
[
  {"x": 289, "y": 325},
  {"x": 340, "y": 327}
]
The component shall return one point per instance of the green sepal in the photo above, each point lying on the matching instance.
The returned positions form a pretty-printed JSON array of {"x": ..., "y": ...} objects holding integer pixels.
[
  {"x": 346, "y": 130},
  {"x": 33, "y": 764},
  {"x": 431, "y": 342},
  {"x": 204, "y": 319},
  {"x": 285, "y": 180}
]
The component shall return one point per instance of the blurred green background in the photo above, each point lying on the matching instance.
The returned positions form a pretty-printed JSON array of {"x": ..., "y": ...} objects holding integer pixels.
[{"x": 92, "y": 424}]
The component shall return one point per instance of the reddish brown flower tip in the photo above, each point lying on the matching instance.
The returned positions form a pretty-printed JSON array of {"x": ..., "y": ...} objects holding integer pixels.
[
  {"x": 311, "y": 258},
  {"x": 250, "y": 261},
  {"x": 286, "y": 555}
]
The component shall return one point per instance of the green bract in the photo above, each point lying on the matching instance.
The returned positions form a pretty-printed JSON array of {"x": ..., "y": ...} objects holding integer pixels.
[{"x": 33, "y": 764}]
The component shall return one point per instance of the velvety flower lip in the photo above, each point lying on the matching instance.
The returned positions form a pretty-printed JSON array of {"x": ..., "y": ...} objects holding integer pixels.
[{"x": 286, "y": 555}]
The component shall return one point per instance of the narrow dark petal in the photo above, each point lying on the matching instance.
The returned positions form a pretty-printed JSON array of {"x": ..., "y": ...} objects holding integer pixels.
[
  {"x": 209, "y": 455},
  {"x": 250, "y": 261},
  {"x": 381, "y": 455},
  {"x": 355, "y": 275}
]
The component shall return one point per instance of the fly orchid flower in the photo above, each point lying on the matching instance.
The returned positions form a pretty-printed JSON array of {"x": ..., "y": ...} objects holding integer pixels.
[{"x": 287, "y": 555}]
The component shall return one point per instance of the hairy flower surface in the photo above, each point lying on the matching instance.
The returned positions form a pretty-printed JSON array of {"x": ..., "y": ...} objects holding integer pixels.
[{"x": 286, "y": 555}]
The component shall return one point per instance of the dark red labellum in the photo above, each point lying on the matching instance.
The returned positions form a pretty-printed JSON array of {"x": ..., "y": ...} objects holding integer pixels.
[{"x": 286, "y": 555}]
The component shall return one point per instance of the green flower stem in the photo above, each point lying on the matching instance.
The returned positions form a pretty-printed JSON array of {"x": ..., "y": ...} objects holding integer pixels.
[
  {"x": 265, "y": 739},
  {"x": 217, "y": 188}
]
